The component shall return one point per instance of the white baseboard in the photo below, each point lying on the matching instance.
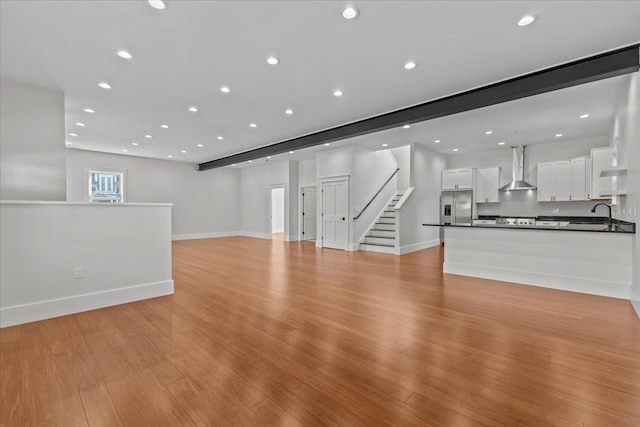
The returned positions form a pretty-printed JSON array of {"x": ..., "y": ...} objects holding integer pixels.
[
  {"x": 352, "y": 247},
  {"x": 635, "y": 301},
  {"x": 16, "y": 315},
  {"x": 585, "y": 286},
  {"x": 205, "y": 235},
  {"x": 255, "y": 235},
  {"x": 401, "y": 250},
  {"x": 292, "y": 238},
  {"x": 418, "y": 246}
]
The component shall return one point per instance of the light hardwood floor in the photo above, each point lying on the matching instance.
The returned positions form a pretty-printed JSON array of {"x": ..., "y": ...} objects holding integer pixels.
[{"x": 264, "y": 333}]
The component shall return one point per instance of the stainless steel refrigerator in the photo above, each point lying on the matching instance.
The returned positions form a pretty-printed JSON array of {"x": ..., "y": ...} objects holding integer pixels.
[{"x": 455, "y": 209}]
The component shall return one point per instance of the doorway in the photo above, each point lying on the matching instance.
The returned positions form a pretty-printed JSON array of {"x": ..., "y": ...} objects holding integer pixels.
[
  {"x": 277, "y": 213},
  {"x": 335, "y": 209},
  {"x": 308, "y": 212}
]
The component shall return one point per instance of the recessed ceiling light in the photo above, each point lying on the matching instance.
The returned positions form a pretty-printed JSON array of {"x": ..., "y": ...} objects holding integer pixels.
[
  {"x": 455, "y": 149},
  {"x": 272, "y": 60},
  {"x": 220, "y": 138},
  {"x": 489, "y": 132},
  {"x": 200, "y": 145},
  {"x": 410, "y": 65},
  {"x": 288, "y": 111},
  {"x": 437, "y": 141},
  {"x": 135, "y": 143},
  {"x": 558, "y": 135},
  {"x": 250, "y": 161},
  {"x": 170, "y": 156},
  {"x": 337, "y": 93},
  {"x": 350, "y": 12},
  {"x": 104, "y": 85},
  {"x": 406, "y": 126},
  {"x": 124, "y": 54},
  {"x": 253, "y": 125},
  {"x": 68, "y": 142},
  {"x": 183, "y": 151},
  {"x": 164, "y": 126},
  {"x": 326, "y": 144},
  {"x": 268, "y": 157},
  {"x": 148, "y": 136},
  {"x": 233, "y": 164},
  {"x": 80, "y": 124},
  {"x": 385, "y": 145},
  {"x": 124, "y": 150},
  {"x": 193, "y": 109},
  {"x": 584, "y": 116},
  {"x": 89, "y": 110},
  {"x": 225, "y": 89},
  {"x": 500, "y": 143},
  {"x": 526, "y": 20},
  {"x": 157, "y": 4},
  {"x": 73, "y": 134},
  {"x": 290, "y": 152}
]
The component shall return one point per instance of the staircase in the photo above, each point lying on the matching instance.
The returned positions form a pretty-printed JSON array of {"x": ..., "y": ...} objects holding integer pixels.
[{"x": 381, "y": 237}]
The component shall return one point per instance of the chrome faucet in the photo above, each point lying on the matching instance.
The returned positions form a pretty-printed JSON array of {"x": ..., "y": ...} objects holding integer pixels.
[{"x": 593, "y": 210}]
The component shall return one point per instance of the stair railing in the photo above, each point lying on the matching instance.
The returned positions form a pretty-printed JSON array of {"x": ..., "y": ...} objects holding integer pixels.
[{"x": 376, "y": 195}]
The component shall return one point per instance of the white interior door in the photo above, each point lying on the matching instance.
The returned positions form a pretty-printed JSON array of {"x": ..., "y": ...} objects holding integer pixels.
[
  {"x": 309, "y": 209},
  {"x": 335, "y": 208}
]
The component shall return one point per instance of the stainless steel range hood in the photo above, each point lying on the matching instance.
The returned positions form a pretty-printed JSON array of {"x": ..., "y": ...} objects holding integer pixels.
[{"x": 518, "y": 182}]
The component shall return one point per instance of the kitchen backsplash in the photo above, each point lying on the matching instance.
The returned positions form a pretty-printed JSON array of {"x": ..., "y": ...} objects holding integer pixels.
[{"x": 524, "y": 203}]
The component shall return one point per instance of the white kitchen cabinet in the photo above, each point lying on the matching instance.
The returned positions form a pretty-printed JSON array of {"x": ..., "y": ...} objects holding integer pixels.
[
  {"x": 601, "y": 158},
  {"x": 580, "y": 179},
  {"x": 458, "y": 179},
  {"x": 487, "y": 185},
  {"x": 554, "y": 181}
]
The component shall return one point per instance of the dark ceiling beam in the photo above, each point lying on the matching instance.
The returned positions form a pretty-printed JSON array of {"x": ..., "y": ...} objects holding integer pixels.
[{"x": 609, "y": 64}]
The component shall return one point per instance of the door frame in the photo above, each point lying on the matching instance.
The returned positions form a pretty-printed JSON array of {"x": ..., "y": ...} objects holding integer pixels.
[
  {"x": 301, "y": 189},
  {"x": 320, "y": 203},
  {"x": 270, "y": 210}
]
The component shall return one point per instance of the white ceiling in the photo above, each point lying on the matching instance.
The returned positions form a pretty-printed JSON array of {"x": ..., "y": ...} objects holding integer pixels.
[{"x": 184, "y": 54}]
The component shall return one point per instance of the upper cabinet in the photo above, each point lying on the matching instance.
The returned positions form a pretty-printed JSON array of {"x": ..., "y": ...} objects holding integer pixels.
[
  {"x": 580, "y": 185},
  {"x": 458, "y": 179},
  {"x": 487, "y": 185},
  {"x": 564, "y": 180},
  {"x": 554, "y": 181}
]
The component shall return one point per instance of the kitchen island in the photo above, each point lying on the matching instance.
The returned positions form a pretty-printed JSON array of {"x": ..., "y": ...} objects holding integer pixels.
[{"x": 588, "y": 260}]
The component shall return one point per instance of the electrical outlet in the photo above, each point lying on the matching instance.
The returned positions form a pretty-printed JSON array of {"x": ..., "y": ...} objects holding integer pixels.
[
  {"x": 555, "y": 211},
  {"x": 77, "y": 272}
]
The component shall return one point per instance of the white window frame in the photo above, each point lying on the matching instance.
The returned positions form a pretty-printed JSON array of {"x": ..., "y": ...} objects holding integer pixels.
[{"x": 123, "y": 182}]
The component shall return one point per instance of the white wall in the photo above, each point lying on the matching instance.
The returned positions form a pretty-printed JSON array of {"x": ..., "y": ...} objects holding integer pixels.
[
  {"x": 124, "y": 252},
  {"x": 205, "y": 204},
  {"x": 523, "y": 203},
  {"x": 32, "y": 159},
  {"x": 424, "y": 203},
  {"x": 255, "y": 183},
  {"x": 277, "y": 210},
  {"x": 403, "y": 156},
  {"x": 335, "y": 162},
  {"x": 307, "y": 171},
  {"x": 627, "y": 131}
]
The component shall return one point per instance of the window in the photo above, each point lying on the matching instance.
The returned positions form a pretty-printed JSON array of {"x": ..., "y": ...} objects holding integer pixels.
[{"x": 106, "y": 187}]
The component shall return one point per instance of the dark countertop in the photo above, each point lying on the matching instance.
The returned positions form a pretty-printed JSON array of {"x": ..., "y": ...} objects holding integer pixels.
[{"x": 588, "y": 224}]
